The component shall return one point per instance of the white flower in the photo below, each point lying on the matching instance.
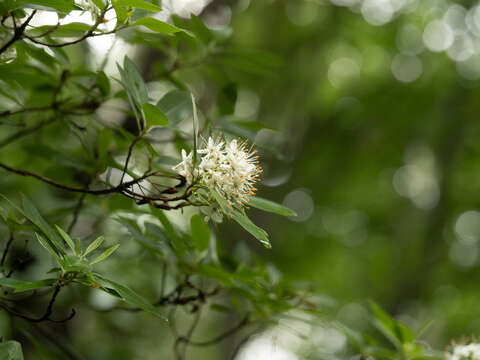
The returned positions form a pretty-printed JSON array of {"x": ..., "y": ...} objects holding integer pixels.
[
  {"x": 227, "y": 168},
  {"x": 464, "y": 352}
]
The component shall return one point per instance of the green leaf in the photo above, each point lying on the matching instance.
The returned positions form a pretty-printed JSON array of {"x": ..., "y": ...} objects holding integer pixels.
[
  {"x": 20, "y": 285},
  {"x": 70, "y": 30},
  {"x": 60, "y": 5},
  {"x": 395, "y": 331},
  {"x": 176, "y": 105},
  {"x": 200, "y": 232},
  {"x": 131, "y": 297},
  {"x": 175, "y": 242},
  {"x": 135, "y": 89},
  {"x": 139, "y": 4},
  {"x": 93, "y": 245},
  {"x": 103, "y": 83},
  {"x": 105, "y": 254},
  {"x": 270, "y": 206},
  {"x": 260, "y": 234},
  {"x": 158, "y": 26},
  {"x": 66, "y": 237},
  {"x": 154, "y": 116},
  {"x": 32, "y": 214},
  {"x": 11, "y": 350},
  {"x": 47, "y": 245},
  {"x": 200, "y": 30}
]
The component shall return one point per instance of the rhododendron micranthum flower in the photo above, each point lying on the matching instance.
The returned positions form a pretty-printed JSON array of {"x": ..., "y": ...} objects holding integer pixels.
[{"x": 227, "y": 168}]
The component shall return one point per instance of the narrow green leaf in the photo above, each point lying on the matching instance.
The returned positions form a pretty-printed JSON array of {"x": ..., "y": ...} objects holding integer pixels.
[
  {"x": 11, "y": 350},
  {"x": 158, "y": 26},
  {"x": 139, "y": 4},
  {"x": 32, "y": 214},
  {"x": 46, "y": 244},
  {"x": 260, "y": 234},
  {"x": 131, "y": 297},
  {"x": 105, "y": 254},
  {"x": 270, "y": 206},
  {"x": 94, "y": 244},
  {"x": 154, "y": 116},
  {"x": 20, "y": 285},
  {"x": 66, "y": 237},
  {"x": 200, "y": 232},
  {"x": 135, "y": 89},
  {"x": 103, "y": 83}
]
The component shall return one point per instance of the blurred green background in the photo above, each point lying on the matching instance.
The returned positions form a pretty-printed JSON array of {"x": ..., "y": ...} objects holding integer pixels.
[
  {"x": 377, "y": 103},
  {"x": 371, "y": 111}
]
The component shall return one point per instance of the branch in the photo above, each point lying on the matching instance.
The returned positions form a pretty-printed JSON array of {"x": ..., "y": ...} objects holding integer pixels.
[
  {"x": 5, "y": 252},
  {"x": 48, "y": 311},
  {"x": 18, "y": 32},
  {"x": 116, "y": 189}
]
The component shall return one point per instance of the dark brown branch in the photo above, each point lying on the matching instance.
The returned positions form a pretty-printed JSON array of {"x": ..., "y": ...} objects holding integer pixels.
[
  {"x": 18, "y": 32},
  {"x": 90, "y": 33},
  {"x": 129, "y": 154},
  {"x": 116, "y": 189},
  {"x": 48, "y": 312},
  {"x": 5, "y": 252}
]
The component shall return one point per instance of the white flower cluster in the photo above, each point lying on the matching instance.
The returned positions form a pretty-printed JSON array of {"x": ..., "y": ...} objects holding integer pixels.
[
  {"x": 464, "y": 352},
  {"x": 228, "y": 168}
]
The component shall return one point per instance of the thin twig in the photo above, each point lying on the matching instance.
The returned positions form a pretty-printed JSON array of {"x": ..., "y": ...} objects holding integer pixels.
[
  {"x": 130, "y": 150},
  {"x": 47, "y": 313},
  {"x": 5, "y": 252},
  {"x": 116, "y": 189},
  {"x": 18, "y": 32}
]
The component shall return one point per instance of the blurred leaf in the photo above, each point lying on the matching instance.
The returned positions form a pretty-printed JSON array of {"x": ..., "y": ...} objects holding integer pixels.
[
  {"x": 200, "y": 232},
  {"x": 200, "y": 30},
  {"x": 395, "y": 331},
  {"x": 176, "y": 105},
  {"x": 227, "y": 98},
  {"x": 70, "y": 30},
  {"x": 60, "y": 5},
  {"x": 139, "y": 4},
  {"x": 11, "y": 350},
  {"x": 20, "y": 285},
  {"x": 270, "y": 206},
  {"x": 154, "y": 116},
  {"x": 158, "y": 26},
  {"x": 131, "y": 297},
  {"x": 103, "y": 83}
]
